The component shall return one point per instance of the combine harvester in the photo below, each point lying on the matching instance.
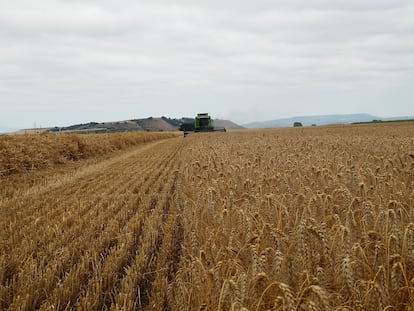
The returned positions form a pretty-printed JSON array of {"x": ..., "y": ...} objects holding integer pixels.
[{"x": 202, "y": 123}]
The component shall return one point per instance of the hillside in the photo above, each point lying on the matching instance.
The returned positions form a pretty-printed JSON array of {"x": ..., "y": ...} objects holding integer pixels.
[
  {"x": 227, "y": 124},
  {"x": 151, "y": 124},
  {"x": 322, "y": 120},
  {"x": 156, "y": 124}
]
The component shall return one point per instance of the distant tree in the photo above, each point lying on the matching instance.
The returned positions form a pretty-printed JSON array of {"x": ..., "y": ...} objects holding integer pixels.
[{"x": 297, "y": 124}]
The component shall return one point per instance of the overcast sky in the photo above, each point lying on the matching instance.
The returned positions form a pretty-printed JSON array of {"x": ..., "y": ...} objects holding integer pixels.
[{"x": 65, "y": 61}]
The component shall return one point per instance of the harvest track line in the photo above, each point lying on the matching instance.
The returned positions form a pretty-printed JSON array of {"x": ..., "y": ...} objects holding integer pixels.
[{"x": 88, "y": 232}]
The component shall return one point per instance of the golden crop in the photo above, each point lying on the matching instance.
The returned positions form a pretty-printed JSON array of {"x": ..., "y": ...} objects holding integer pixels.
[
  {"x": 317, "y": 218},
  {"x": 22, "y": 153}
]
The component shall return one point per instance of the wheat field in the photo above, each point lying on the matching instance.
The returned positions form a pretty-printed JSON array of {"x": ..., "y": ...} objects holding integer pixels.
[{"x": 318, "y": 218}]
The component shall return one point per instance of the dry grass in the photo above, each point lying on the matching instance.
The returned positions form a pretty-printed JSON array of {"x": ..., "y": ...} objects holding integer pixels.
[
  {"x": 22, "y": 153},
  {"x": 286, "y": 219},
  {"x": 292, "y": 219}
]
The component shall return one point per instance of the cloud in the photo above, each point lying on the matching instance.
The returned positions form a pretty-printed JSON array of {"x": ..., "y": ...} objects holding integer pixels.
[{"x": 271, "y": 57}]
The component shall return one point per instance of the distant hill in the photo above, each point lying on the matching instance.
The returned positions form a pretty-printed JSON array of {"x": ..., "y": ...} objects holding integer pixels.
[
  {"x": 148, "y": 124},
  {"x": 227, "y": 124},
  {"x": 5, "y": 130},
  {"x": 156, "y": 124},
  {"x": 323, "y": 120}
]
